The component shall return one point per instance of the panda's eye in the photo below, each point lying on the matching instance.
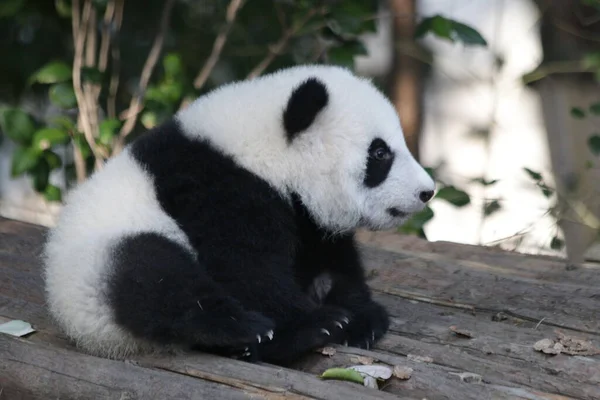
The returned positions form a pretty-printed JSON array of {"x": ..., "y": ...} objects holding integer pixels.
[{"x": 381, "y": 154}]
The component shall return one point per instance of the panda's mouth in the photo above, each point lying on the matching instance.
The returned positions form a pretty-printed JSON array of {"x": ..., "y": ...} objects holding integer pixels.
[{"x": 396, "y": 213}]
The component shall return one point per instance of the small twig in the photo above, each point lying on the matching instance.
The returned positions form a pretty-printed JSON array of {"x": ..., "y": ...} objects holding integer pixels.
[
  {"x": 111, "y": 102},
  {"x": 539, "y": 323},
  {"x": 219, "y": 43},
  {"x": 106, "y": 36},
  {"x": 80, "y": 26},
  {"x": 151, "y": 61},
  {"x": 281, "y": 44}
]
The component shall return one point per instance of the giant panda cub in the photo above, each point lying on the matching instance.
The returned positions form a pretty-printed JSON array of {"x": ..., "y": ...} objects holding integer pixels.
[{"x": 229, "y": 229}]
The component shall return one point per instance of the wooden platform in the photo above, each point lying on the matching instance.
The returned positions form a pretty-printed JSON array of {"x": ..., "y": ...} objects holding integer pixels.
[{"x": 507, "y": 302}]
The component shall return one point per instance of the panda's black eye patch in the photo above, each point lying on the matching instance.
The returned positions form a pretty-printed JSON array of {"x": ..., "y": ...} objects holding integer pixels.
[{"x": 379, "y": 162}]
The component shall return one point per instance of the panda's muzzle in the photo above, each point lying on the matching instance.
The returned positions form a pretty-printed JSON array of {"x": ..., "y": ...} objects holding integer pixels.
[{"x": 394, "y": 212}]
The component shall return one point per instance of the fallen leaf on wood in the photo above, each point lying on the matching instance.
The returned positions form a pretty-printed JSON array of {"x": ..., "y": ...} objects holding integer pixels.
[
  {"x": 327, "y": 351},
  {"x": 343, "y": 374},
  {"x": 468, "y": 377},
  {"x": 548, "y": 346},
  {"x": 364, "y": 360},
  {"x": 576, "y": 346},
  {"x": 461, "y": 332},
  {"x": 376, "y": 371},
  {"x": 403, "y": 373},
  {"x": 416, "y": 358},
  {"x": 16, "y": 328}
]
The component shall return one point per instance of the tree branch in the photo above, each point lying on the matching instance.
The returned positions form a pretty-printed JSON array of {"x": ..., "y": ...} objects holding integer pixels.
[
  {"x": 80, "y": 27},
  {"x": 219, "y": 43},
  {"x": 281, "y": 44},
  {"x": 151, "y": 61},
  {"x": 111, "y": 102}
]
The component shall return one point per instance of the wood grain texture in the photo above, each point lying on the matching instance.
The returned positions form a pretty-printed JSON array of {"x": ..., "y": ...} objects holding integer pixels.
[{"x": 506, "y": 301}]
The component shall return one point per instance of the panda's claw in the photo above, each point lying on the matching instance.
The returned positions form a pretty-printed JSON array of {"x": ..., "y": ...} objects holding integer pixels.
[
  {"x": 339, "y": 325},
  {"x": 325, "y": 331},
  {"x": 346, "y": 320},
  {"x": 258, "y": 338},
  {"x": 246, "y": 354},
  {"x": 270, "y": 335}
]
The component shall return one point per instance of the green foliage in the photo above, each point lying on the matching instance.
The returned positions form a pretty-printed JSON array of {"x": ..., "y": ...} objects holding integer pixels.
[
  {"x": 414, "y": 226},
  {"x": 62, "y": 95},
  {"x": 594, "y": 144},
  {"x": 109, "y": 128},
  {"x": 53, "y": 193},
  {"x": 595, "y": 108},
  {"x": 53, "y": 72},
  {"x": 491, "y": 207},
  {"x": 8, "y": 8},
  {"x": 454, "y": 196},
  {"x": 17, "y": 125},
  {"x": 449, "y": 29},
  {"x": 45, "y": 138},
  {"x": 24, "y": 159},
  {"x": 577, "y": 112}
]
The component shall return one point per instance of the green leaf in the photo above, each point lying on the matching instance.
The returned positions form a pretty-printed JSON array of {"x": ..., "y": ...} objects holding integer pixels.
[
  {"x": 109, "y": 128},
  {"x": 63, "y": 8},
  {"x": 557, "y": 243},
  {"x": 343, "y": 374},
  {"x": 173, "y": 65},
  {"x": 92, "y": 75},
  {"x": 591, "y": 60},
  {"x": 8, "y": 8},
  {"x": 64, "y": 123},
  {"x": 484, "y": 182},
  {"x": 595, "y": 108},
  {"x": 424, "y": 27},
  {"x": 53, "y": 72},
  {"x": 467, "y": 35},
  {"x": 45, "y": 138},
  {"x": 24, "y": 159},
  {"x": 63, "y": 95},
  {"x": 41, "y": 175},
  {"x": 149, "y": 119},
  {"x": 441, "y": 27},
  {"x": 17, "y": 125},
  {"x": 82, "y": 144},
  {"x": 594, "y": 144},
  {"x": 577, "y": 112},
  {"x": 491, "y": 207},
  {"x": 536, "y": 176},
  {"x": 454, "y": 196},
  {"x": 546, "y": 191},
  {"x": 53, "y": 193},
  {"x": 54, "y": 161}
]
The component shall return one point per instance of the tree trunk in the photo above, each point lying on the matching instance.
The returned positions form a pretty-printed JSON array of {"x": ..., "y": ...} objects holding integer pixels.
[{"x": 406, "y": 81}]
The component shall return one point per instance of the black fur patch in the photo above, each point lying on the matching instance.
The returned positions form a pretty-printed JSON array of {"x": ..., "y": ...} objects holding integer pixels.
[
  {"x": 306, "y": 101},
  {"x": 379, "y": 162}
]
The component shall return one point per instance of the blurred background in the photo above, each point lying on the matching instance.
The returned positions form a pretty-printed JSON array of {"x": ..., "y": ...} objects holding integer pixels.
[{"x": 499, "y": 99}]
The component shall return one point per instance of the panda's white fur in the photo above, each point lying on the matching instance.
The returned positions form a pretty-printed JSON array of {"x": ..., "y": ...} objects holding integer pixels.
[{"x": 325, "y": 165}]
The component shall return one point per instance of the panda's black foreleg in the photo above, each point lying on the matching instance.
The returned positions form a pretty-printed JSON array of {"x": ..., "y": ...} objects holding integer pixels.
[
  {"x": 370, "y": 320},
  {"x": 159, "y": 292}
]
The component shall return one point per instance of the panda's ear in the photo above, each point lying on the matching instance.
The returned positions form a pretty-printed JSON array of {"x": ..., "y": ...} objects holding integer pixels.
[{"x": 306, "y": 101}]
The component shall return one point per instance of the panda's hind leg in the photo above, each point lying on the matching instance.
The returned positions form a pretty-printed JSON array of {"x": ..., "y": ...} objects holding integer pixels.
[{"x": 159, "y": 292}]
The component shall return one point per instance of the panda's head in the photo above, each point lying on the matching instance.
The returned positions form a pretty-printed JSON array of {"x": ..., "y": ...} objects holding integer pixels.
[
  {"x": 325, "y": 134},
  {"x": 354, "y": 168}
]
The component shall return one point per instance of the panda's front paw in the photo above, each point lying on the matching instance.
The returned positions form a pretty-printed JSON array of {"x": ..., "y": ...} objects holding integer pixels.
[
  {"x": 328, "y": 324},
  {"x": 368, "y": 325}
]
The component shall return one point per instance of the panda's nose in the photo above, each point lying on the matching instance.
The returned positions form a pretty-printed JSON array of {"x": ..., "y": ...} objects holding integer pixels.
[{"x": 426, "y": 195}]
